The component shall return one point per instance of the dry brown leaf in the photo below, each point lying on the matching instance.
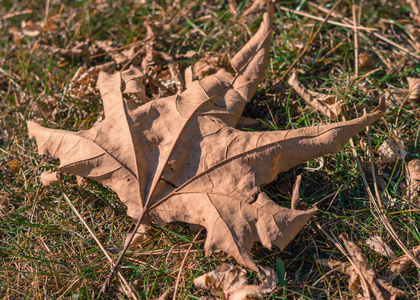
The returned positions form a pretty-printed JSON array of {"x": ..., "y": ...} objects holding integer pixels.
[
  {"x": 377, "y": 286},
  {"x": 403, "y": 262},
  {"x": 391, "y": 150},
  {"x": 51, "y": 178},
  {"x": 413, "y": 180},
  {"x": 378, "y": 245},
  {"x": 326, "y": 104},
  {"x": 231, "y": 283},
  {"x": 180, "y": 158},
  {"x": 414, "y": 89}
]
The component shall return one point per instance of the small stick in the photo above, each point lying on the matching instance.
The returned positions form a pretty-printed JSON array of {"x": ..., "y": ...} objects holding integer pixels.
[
  {"x": 356, "y": 39},
  {"x": 178, "y": 278},
  {"x": 126, "y": 286},
  {"x": 309, "y": 42}
]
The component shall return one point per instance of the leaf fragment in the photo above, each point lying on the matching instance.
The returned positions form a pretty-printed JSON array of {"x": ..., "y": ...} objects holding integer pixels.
[
  {"x": 378, "y": 245},
  {"x": 231, "y": 283},
  {"x": 391, "y": 150},
  {"x": 403, "y": 262},
  {"x": 413, "y": 180},
  {"x": 361, "y": 267},
  {"x": 326, "y": 104}
]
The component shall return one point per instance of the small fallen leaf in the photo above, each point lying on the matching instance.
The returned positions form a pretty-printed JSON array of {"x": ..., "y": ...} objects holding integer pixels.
[
  {"x": 32, "y": 29},
  {"x": 326, "y": 104},
  {"x": 367, "y": 61},
  {"x": 378, "y": 245},
  {"x": 14, "y": 166},
  {"x": 230, "y": 283},
  {"x": 391, "y": 150},
  {"x": 377, "y": 286},
  {"x": 51, "y": 178},
  {"x": 403, "y": 262},
  {"x": 414, "y": 89},
  {"x": 413, "y": 180}
]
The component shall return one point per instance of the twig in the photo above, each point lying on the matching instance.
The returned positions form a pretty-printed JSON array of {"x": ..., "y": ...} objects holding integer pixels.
[
  {"x": 309, "y": 42},
  {"x": 15, "y": 14},
  {"x": 356, "y": 39},
  {"x": 127, "y": 289},
  {"x": 178, "y": 278}
]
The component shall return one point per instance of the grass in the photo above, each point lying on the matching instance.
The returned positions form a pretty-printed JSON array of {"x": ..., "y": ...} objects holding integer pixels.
[{"x": 46, "y": 253}]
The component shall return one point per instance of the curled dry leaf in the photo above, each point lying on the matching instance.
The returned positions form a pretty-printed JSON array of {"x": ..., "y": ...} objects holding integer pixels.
[
  {"x": 403, "y": 262},
  {"x": 378, "y": 245},
  {"x": 180, "y": 158},
  {"x": 391, "y": 150},
  {"x": 326, "y": 104},
  {"x": 361, "y": 267},
  {"x": 413, "y": 180},
  {"x": 51, "y": 178},
  {"x": 231, "y": 283}
]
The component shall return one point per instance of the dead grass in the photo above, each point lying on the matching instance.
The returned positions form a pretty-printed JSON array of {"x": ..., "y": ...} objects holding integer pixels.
[{"x": 46, "y": 253}]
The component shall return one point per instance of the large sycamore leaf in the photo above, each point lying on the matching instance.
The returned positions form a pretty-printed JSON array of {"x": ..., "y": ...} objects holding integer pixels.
[{"x": 184, "y": 153}]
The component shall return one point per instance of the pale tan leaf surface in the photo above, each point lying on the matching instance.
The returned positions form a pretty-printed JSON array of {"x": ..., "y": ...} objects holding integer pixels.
[
  {"x": 377, "y": 286},
  {"x": 231, "y": 283},
  {"x": 184, "y": 153},
  {"x": 391, "y": 150},
  {"x": 413, "y": 180},
  {"x": 51, "y": 178},
  {"x": 403, "y": 262},
  {"x": 414, "y": 89},
  {"x": 378, "y": 245},
  {"x": 326, "y": 104}
]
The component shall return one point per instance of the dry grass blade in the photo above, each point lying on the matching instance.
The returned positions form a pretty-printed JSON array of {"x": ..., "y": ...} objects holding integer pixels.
[
  {"x": 178, "y": 278},
  {"x": 127, "y": 288}
]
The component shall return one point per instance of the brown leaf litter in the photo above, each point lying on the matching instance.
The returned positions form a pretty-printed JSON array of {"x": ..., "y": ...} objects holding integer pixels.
[
  {"x": 231, "y": 283},
  {"x": 324, "y": 103},
  {"x": 391, "y": 150},
  {"x": 180, "y": 158},
  {"x": 403, "y": 262},
  {"x": 360, "y": 270},
  {"x": 378, "y": 245},
  {"x": 413, "y": 180}
]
